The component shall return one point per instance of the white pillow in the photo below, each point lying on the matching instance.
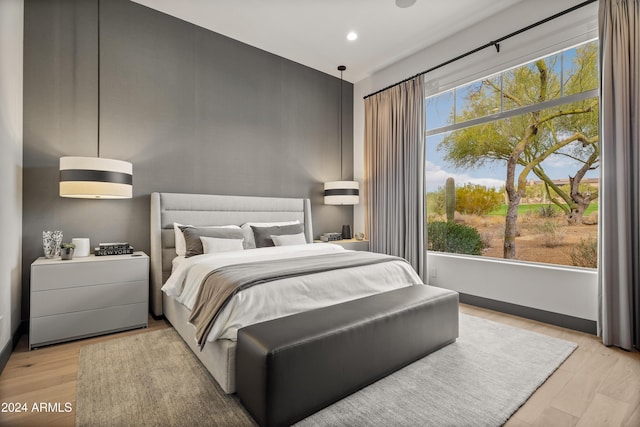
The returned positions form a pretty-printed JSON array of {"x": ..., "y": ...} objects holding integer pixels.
[
  {"x": 289, "y": 239},
  {"x": 181, "y": 245},
  {"x": 212, "y": 245},
  {"x": 249, "y": 240}
]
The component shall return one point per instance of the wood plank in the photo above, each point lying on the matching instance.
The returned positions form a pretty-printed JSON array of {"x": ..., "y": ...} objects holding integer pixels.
[
  {"x": 580, "y": 391},
  {"x": 604, "y": 411},
  {"x": 541, "y": 399},
  {"x": 556, "y": 418},
  {"x": 633, "y": 420},
  {"x": 620, "y": 382},
  {"x": 516, "y": 422}
]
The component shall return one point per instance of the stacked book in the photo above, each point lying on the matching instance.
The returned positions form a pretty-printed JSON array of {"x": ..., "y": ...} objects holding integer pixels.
[
  {"x": 115, "y": 248},
  {"x": 331, "y": 237}
]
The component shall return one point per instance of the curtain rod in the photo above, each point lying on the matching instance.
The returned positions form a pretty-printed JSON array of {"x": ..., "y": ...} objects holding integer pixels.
[{"x": 495, "y": 43}]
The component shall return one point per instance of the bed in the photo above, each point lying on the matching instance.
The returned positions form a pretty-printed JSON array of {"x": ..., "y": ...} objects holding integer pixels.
[{"x": 218, "y": 355}]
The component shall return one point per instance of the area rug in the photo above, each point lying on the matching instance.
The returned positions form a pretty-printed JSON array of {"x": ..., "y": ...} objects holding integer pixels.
[{"x": 152, "y": 379}]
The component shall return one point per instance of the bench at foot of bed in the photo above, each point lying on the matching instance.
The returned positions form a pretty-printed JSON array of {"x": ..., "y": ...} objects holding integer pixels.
[{"x": 289, "y": 368}]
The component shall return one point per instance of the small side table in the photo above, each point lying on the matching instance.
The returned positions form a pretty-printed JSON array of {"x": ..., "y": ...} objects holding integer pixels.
[
  {"x": 87, "y": 296},
  {"x": 352, "y": 244}
]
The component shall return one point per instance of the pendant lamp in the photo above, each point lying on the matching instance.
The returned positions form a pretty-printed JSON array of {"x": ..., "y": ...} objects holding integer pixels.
[
  {"x": 96, "y": 177},
  {"x": 341, "y": 192}
]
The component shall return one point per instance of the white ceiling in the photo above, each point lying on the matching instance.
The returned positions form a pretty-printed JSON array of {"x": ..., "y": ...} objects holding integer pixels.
[{"x": 313, "y": 32}]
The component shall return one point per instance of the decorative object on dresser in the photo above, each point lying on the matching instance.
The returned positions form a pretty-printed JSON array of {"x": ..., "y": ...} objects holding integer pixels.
[
  {"x": 66, "y": 251},
  {"x": 330, "y": 237},
  {"x": 114, "y": 248},
  {"x": 87, "y": 296},
  {"x": 358, "y": 236},
  {"x": 83, "y": 246},
  {"x": 51, "y": 243},
  {"x": 346, "y": 231}
]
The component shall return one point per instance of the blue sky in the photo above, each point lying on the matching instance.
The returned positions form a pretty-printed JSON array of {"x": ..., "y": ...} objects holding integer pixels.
[
  {"x": 437, "y": 170},
  {"x": 489, "y": 175},
  {"x": 492, "y": 174}
]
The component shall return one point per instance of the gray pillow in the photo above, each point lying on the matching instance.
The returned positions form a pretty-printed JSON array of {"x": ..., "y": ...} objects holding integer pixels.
[
  {"x": 194, "y": 244},
  {"x": 263, "y": 234}
]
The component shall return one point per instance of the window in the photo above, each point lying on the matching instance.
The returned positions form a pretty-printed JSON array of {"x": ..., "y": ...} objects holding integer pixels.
[{"x": 512, "y": 162}]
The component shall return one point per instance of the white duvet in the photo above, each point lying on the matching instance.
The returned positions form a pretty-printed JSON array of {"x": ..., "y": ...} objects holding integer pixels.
[{"x": 286, "y": 296}]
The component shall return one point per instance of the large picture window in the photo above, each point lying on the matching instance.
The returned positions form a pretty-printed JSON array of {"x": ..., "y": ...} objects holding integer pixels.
[{"x": 512, "y": 162}]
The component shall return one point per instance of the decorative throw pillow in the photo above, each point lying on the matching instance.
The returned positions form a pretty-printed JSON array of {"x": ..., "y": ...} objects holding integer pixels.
[
  {"x": 212, "y": 245},
  {"x": 194, "y": 244},
  {"x": 249, "y": 241},
  {"x": 263, "y": 235},
  {"x": 181, "y": 246},
  {"x": 289, "y": 239}
]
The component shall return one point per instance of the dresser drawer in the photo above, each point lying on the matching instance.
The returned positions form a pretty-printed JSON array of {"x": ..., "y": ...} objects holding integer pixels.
[
  {"x": 45, "y": 303},
  {"x": 59, "y": 275},
  {"x": 62, "y": 327}
]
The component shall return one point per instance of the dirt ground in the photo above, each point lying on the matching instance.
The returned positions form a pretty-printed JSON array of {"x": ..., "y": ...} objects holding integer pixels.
[{"x": 529, "y": 246}]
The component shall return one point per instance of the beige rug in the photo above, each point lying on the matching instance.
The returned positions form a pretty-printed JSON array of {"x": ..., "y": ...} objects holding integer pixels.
[{"x": 152, "y": 379}]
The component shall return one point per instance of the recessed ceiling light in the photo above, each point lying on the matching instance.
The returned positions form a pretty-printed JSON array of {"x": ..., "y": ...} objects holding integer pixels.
[
  {"x": 352, "y": 36},
  {"x": 405, "y": 3}
]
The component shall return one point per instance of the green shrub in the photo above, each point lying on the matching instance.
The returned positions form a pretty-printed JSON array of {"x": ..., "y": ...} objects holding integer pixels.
[
  {"x": 585, "y": 253},
  {"x": 435, "y": 202},
  {"x": 476, "y": 199},
  {"x": 453, "y": 238}
]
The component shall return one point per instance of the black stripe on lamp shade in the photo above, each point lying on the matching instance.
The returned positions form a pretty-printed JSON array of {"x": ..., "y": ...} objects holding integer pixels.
[
  {"x": 341, "y": 193},
  {"x": 95, "y": 178},
  {"x": 94, "y": 175}
]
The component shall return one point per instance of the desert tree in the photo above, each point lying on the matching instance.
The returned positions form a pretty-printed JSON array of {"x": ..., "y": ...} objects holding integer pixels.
[{"x": 526, "y": 142}]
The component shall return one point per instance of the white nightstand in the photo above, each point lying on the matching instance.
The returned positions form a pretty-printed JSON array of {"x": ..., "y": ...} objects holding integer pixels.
[
  {"x": 87, "y": 296},
  {"x": 353, "y": 244}
]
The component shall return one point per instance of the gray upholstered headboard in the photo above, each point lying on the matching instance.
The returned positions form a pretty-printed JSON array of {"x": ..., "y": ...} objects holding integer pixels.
[{"x": 207, "y": 209}]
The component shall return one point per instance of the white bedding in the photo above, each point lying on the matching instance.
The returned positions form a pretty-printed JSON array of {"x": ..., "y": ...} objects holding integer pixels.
[{"x": 286, "y": 296}]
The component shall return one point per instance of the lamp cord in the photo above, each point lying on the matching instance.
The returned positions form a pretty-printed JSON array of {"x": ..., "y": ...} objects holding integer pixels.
[
  {"x": 98, "y": 61},
  {"x": 341, "y": 68},
  {"x": 340, "y": 125}
]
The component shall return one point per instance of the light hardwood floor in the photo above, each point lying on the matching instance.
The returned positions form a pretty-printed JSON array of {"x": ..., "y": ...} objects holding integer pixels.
[{"x": 595, "y": 386}]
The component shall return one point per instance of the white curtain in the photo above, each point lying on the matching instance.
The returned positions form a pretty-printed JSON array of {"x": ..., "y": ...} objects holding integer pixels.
[
  {"x": 394, "y": 172},
  {"x": 619, "y": 270}
]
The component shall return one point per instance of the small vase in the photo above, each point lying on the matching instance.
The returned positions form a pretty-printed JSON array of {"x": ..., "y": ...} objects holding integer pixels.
[
  {"x": 51, "y": 243},
  {"x": 346, "y": 231},
  {"x": 66, "y": 253}
]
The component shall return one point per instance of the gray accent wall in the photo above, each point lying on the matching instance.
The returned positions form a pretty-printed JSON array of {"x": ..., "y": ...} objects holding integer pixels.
[{"x": 194, "y": 112}]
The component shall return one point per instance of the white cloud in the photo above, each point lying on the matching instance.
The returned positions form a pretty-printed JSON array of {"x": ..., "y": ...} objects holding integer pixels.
[
  {"x": 436, "y": 177},
  {"x": 560, "y": 162}
]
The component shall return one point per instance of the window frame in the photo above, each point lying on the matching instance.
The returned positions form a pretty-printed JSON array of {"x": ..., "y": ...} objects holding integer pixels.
[{"x": 561, "y": 100}]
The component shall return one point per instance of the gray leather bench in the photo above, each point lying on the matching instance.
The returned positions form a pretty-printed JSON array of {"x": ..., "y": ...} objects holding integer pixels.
[{"x": 289, "y": 368}]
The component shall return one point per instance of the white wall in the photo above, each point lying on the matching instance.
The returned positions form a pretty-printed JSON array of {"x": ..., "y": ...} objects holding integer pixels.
[
  {"x": 504, "y": 282},
  {"x": 554, "y": 288},
  {"x": 11, "y": 43}
]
